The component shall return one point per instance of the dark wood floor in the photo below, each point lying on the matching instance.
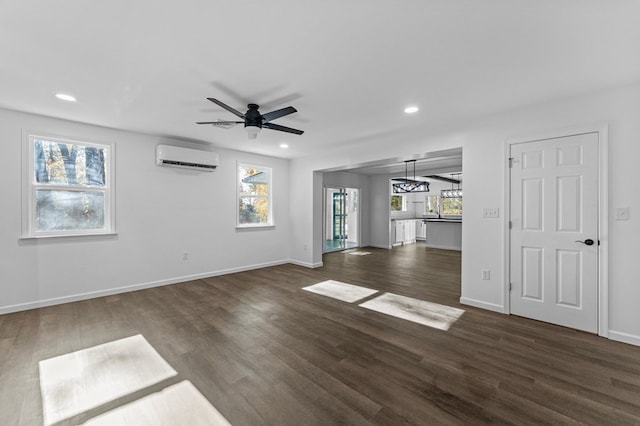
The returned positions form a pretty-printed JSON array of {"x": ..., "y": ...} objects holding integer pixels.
[{"x": 265, "y": 352}]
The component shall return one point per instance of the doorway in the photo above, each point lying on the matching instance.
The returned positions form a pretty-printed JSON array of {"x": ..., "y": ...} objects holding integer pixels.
[
  {"x": 341, "y": 228},
  {"x": 554, "y": 230}
]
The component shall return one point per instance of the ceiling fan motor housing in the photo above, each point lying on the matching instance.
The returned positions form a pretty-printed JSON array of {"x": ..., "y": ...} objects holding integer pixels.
[{"x": 253, "y": 118}]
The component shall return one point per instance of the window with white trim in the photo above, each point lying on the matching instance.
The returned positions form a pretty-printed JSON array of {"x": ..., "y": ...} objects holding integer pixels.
[
  {"x": 254, "y": 196},
  {"x": 68, "y": 187},
  {"x": 443, "y": 206},
  {"x": 398, "y": 203}
]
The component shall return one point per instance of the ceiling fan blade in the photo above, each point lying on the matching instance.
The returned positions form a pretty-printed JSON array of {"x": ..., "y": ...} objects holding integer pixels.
[
  {"x": 281, "y": 128},
  {"x": 222, "y": 124},
  {"x": 278, "y": 113},
  {"x": 227, "y": 107}
]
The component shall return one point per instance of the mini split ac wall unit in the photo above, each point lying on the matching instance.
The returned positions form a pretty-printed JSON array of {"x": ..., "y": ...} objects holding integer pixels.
[{"x": 186, "y": 158}]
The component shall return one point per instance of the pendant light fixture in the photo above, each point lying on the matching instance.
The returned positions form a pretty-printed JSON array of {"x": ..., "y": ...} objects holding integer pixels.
[
  {"x": 409, "y": 185},
  {"x": 453, "y": 192}
]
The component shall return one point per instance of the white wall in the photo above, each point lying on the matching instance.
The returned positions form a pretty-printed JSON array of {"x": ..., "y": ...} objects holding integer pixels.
[
  {"x": 483, "y": 142},
  {"x": 160, "y": 213}
]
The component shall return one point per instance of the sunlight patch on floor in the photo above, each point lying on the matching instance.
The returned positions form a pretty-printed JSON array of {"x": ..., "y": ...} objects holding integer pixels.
[
  {"x": 76, "y": 382},
  {"x": 357, "y": 253},
  {"x": 415, "y": 310},
  {"x": 179, "y": 404},
  {"x": 341, "y": 291}
]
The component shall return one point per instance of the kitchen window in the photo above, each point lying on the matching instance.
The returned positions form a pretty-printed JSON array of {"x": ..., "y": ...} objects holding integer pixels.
[
  {"x": 254, "y": 196},
  {"x": 398, "y": 203},
  {"x": 437, "y": 206},
  {"x": 68, "y": 187}
]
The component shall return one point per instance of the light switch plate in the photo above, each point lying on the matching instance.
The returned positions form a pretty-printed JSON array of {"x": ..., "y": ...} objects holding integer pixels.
[
  {"x": 491, "y": 212},
  {"x": 622, "y": 213}
]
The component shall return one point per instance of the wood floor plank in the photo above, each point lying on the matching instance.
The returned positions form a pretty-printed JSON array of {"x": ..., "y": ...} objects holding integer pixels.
[{"x": 265, "y": 352}]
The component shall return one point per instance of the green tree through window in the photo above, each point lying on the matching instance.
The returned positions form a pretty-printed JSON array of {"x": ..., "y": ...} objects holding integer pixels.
[{"x": 254, "y": 196}]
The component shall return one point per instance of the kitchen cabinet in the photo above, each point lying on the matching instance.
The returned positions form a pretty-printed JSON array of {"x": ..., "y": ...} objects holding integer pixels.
[
  {"x": 421, "y": 230},
  {"x": 403, "y": 231}
]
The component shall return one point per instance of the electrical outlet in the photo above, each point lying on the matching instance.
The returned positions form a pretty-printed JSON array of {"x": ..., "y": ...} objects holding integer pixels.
[
  {"x": 486, "y": 274},
  {"x": 185, "y": 256}
]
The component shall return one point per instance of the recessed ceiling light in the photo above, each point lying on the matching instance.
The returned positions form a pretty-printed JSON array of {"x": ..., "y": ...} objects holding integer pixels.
[
  {"x": 284, "y": 145},
  {"x": 64, "y": 97},
  {"x": 411, "y": 109}
]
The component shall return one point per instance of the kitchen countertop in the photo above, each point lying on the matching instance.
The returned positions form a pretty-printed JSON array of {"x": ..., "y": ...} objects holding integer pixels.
[{"x": 429, "y": 219}]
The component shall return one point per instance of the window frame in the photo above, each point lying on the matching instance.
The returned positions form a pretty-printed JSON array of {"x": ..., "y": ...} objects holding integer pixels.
[
  {"x": 239, "y": 196},
  {"x": 439, "y": 204},
  {"x": 403, "y": 207},
  {"x": 449, "y": 215},
  {"x": 30, "y": 187},
  {"x": 427, "y": 204}
]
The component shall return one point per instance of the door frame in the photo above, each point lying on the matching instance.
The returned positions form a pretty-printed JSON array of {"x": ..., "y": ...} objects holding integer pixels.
[
  {"x": 602, "y": 130},
  {"x": 325, "y": 187}
]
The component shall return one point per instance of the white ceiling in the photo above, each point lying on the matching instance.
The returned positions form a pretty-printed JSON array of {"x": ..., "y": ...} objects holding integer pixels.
[
  {"x": 349, "y": 67},
  {"x": 442, "y": 162}
]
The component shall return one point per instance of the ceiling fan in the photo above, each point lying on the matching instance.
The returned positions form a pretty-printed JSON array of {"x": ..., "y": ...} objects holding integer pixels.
[{"x": 253, "y": 120}]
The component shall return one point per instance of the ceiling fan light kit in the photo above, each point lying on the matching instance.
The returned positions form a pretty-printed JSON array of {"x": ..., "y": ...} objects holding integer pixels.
[{"x": 253, "y": 120}]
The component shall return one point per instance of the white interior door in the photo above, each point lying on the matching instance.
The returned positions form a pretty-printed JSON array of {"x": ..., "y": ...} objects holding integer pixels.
[{"x": 554, "y": 231}]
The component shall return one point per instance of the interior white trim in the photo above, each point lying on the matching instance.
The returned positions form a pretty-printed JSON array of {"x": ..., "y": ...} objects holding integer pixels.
[
  {"x": 482, "y": 305},
  {"x": 124, "y": 289},
  {"x": 603, "y": 213},
  {"x": 306, "y": 264},
  {"x": 619, "y": 336},
  {"x": 380, "y": 246}
]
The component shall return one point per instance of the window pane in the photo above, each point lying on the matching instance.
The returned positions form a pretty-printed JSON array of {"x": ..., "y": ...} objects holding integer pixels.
[
  {"x": 254, "y": 195},
  {"x": 69, "y": 210},
  {"x": 397, "y": 203},
  {"x": 253, "y": 181},
  {"x": 432, "y": 205},
  {"x": 452, "y": 205},
  {"x": 254, "y": 210},
  {"x": 64, "y": 163}
]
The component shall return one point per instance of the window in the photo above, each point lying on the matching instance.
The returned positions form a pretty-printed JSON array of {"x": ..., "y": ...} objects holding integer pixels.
[
  {"x": 451, "y": 206},
  {"x": 398, "y": 203},
  {"x": 443, "y": 206},
  {"x": 432, "y": 206},
  {"x": 254, "y": 196},
  {"x": 68, "y": 189}
]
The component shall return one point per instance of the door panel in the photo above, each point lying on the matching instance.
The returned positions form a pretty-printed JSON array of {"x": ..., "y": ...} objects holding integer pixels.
[
  {"x": 554, "y": 209},
  {"x": 339, "y": 215},
  {"x": 569, "y": 277},
  {"x": 532, "y": 272},
  {"x": 340, "y": 218}
]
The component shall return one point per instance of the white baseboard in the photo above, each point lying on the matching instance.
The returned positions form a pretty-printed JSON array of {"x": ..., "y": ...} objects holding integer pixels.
[
  {"x": 125, "y": 289},
  {"x": 306, "y": 264},
  {"x": 483, "y": 305},
  {"x": 443, "y": 247},
  {"x": 619, "y": 336},
  {"x": 380, "y": 246}
]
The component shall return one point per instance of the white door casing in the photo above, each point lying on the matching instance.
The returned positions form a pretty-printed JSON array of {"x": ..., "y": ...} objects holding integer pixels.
[{"x": 553, "y": 211}]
